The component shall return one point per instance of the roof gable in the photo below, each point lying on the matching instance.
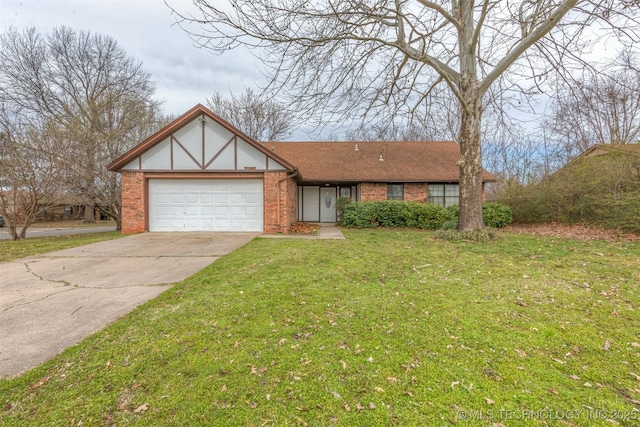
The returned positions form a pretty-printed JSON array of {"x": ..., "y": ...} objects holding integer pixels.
[
  {"x": 199, "y": 140},
  {"x": 402, "y": 161}
]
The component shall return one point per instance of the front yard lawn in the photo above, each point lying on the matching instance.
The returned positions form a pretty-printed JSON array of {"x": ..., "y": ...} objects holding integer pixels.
[
  {"x": 384, "y": 328},
  {"x": 10, "y": 249}
]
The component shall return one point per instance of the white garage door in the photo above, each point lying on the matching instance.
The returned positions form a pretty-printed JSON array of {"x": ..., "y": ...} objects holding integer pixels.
[{"x": 205, "y": 205}]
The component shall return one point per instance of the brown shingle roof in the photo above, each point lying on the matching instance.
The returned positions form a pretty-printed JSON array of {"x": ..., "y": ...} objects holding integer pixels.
[{"x": 402, "y": 161}]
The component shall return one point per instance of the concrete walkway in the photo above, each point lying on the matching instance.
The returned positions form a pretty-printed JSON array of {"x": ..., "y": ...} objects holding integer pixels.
[{"x": 53, "y": 301}]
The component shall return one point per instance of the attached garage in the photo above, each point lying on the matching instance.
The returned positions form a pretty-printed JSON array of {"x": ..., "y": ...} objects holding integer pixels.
[
  {"x": 199, "y": 173},
  {"x": 206, "y": 205}
]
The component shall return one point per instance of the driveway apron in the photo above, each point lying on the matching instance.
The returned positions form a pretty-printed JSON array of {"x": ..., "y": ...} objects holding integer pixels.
[{"x": 53, "y": 301}]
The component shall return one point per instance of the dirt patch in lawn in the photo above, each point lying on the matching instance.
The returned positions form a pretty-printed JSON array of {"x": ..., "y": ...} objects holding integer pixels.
[{"x": 574, "y": 231}]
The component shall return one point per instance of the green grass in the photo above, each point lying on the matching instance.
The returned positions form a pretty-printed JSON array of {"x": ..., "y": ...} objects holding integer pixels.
[
  {"x": 10, "y": 250},
  {"x": 384, "y": 328}
]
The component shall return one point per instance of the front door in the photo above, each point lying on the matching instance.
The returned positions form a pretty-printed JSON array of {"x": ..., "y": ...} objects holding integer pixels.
[{"x": 328, "y": 204}]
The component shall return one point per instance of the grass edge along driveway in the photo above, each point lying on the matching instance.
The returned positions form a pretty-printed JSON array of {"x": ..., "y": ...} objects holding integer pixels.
[{"x": 385, "y": 328}]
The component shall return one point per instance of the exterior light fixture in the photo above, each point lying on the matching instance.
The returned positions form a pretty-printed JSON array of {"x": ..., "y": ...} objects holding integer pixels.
[{"x": 381, "y": 159}]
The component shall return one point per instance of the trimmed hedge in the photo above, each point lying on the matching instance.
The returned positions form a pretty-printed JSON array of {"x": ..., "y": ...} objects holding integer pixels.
[{"x": 395, "y": 214}]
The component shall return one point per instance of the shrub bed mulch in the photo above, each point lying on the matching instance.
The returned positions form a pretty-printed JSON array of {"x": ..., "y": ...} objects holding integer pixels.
[
  {"x": 574, "y": 231},
  {"x": 304, "y": 228}
]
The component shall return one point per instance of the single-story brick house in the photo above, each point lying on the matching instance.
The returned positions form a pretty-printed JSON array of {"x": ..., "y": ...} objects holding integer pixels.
[{"x": 199, "y": 173}]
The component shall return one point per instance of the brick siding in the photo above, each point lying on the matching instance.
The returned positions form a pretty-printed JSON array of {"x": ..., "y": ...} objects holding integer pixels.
[
  {"x": 133, "y": 202},
  {"x": 280, "y": 202},
  {"x": 416, "y": 191},
  {"x": 375, "y": 191}
]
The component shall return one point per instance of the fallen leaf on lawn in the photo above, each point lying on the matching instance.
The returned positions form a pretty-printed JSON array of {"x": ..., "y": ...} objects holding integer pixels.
[
  {"x": 607, "y": 345},
  {"x": 224, "y": 388},
  {"x": 635, "y": 402},
  {"x": 635, "y": 344},
  {"x": 553, "y": 391},
  {"x": 297, "y": 379},
  {"x": 301, "y": 422},
  {"x": 359, "y": 407},
  {"x": 252, "y": 405},
  {"x": 379, "y": 389},
  {"x": 372, "y": 405},
  {"x": 306, "y": 362},
  {"x": 489, "y": 401},
  {"x": 562, "y": 362},
  {"x": 636, "y": 376},
  {"x": 392, "y": 380},
  {"x": 347, "y": 407},
  {"x": 574, "y": 377},
  {"x": 40, "y": 383},
  {"x": 587, "y": 385},
  {"x": 262, "y": 369},
  {"x": 282, "y": 341},
  {"x": 108, "y": 365},
  {"x": 236, "y": 344},
  {"x": 141, "y": 408},
  {"x": 344, "y": 364},
  {"x": 454, "y": 384},
  {"x": 336, "y": 394},
  {"x": 521, "y": 353}
]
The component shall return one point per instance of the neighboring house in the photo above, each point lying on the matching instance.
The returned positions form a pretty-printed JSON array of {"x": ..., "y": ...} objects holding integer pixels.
[
  {"x": 629, "y": 153},
  {"x": 199, "y": 173},
  {"x": 601, "y": 149}
]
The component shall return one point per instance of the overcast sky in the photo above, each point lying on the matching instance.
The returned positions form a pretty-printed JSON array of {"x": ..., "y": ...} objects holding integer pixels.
[{"x": 184, "y": 74}]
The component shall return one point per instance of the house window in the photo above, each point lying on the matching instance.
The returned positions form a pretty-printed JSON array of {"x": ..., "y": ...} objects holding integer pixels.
[
  {"x": 444, "y": 194},
  {"x": 395, "y": 192},
  {"x": 345, "y": 192}
]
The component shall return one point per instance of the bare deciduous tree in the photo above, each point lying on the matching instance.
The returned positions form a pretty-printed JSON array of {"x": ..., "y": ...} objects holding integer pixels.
[
  {"x": 100, "y": 99},
  {"x": 261, "y": 119},
  {"x": 30, "y": 171},
  {"x": 342, "y": 59},
  {"x": 602, "y": 107}
]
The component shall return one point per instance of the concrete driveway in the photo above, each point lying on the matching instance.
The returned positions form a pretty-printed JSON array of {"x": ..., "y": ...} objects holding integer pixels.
[{"x": 50, "y": 302}]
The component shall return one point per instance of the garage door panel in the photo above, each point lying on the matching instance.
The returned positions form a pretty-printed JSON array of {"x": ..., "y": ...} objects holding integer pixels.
[{"x": 205, "y": 205}]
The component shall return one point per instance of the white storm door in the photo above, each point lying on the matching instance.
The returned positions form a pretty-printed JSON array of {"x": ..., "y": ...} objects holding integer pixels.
[{"x": 327, "y": 204}]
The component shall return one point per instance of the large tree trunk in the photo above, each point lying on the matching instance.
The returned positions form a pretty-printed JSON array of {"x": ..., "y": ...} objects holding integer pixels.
[
  {"x": 470, "y": 217},
  {"x": 89, "y": 215}
]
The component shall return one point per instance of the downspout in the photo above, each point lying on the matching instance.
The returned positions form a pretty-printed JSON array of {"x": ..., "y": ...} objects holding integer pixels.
[{"x": 293, "y": 175}]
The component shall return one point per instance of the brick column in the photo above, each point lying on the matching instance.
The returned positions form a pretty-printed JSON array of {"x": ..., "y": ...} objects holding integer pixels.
[
  {"x": 280, "y": 202},
  {"x": 133, "y": 205}
]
